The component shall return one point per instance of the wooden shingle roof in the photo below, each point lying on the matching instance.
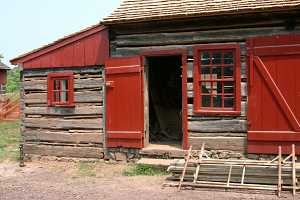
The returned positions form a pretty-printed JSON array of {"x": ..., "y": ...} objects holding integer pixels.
[{"x": 149, "y": 10}]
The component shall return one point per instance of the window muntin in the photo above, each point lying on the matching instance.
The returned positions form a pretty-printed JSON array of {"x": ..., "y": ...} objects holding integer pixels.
[
  {"x": 60, "y": 89},
  {"x": 217, "y": 79}
]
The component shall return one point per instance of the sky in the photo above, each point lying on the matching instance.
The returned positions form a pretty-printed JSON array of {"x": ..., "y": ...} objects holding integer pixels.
[{"x": 29, "y": 24}]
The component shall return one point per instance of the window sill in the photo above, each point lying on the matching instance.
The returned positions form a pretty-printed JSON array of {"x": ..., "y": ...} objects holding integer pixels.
[
  {"x": 217, "y": 112},
  {"x": 63, "y": 106}
]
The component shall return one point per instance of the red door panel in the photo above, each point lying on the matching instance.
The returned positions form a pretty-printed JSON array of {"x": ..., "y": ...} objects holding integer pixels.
[
  {"x": 274, "y": 94},
  {"x": 124, "y": 102}
]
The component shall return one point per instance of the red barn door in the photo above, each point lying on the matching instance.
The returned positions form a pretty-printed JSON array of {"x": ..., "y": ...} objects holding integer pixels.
[
  {"x": 274, "y": 94},
  {"x": 124, "y": 102}
]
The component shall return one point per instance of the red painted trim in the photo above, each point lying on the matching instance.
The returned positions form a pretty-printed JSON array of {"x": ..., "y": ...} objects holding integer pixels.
[
  {"x": 272, "y": 147},
  {"x": 119, "y": 62},
  {"x": 125, "y": 135},
  {"x": 276, "y": 40},
  {"x": 57, "y": 45},
  {"x": 277, "y": 50},
  {"x": 51, "y": 76},
  {"x": 288, "y": 112},
  {"x": 121, "y": 70},
  {"x": 198, "y": 110},
  {"x": 217, "y": 112},
  {"x": 183, "y": 54},
  {"x": 284, "y": 136}
]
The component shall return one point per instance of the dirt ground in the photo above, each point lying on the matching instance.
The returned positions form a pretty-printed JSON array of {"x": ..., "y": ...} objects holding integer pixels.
[{"x": 53, "y": 180}]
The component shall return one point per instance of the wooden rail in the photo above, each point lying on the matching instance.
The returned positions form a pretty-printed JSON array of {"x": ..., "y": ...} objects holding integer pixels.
[{"x": 10, "y": 106}]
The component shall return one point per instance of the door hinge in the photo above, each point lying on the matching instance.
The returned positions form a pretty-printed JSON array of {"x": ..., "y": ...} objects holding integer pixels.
[{"x": 110, "y": 84}]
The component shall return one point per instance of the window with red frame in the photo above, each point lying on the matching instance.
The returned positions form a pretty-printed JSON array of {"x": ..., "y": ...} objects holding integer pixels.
[
  {"x": 61, "y": 89},
  {"x": 217, "y": 79}
]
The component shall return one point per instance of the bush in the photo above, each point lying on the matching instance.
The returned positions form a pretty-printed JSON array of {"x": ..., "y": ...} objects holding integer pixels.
[{"x": 13, "y": 80}]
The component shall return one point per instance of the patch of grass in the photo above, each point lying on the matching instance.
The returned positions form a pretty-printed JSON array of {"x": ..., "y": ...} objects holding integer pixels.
[
  {"x": 86, "y": 169},
  {"x": 143, "y": 170},
  {"x": 9, "y": 140}
]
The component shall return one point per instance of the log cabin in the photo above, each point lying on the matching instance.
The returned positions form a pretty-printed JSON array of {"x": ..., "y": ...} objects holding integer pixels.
[{"x": 156, "y": 77}]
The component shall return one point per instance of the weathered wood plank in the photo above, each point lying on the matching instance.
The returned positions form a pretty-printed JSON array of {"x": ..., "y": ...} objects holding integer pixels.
[
  {"x": 57, "y": 123},
  {"x": 64, "y": 151},
  {"x": 79, "y": 97},
  {"x": 234, "y": 125},
  {"x": 41, "y": 85},
  {"x": 226, "y": 134},
  {"x": 77, "y": 110},
  {"x": 43, "y": 72},
  {"x": 63, "y": 136},
  {"x": 196, "y": 37},
  {"x": 219, "y": 143},
  {"x": 244, "y": 89}
]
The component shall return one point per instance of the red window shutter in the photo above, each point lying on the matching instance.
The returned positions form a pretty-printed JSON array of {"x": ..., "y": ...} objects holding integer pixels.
[{"x": 274, "y": 88}]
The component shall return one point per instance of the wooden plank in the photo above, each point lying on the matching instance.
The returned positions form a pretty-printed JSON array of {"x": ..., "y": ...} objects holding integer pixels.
[
  {"x": 229, "y": 134},
  {"x": 234, "y": 125},
  {"x": 79, "y": 97},
  {"x": 27, "y": 73},
  {"x": 244, "y": 89},
  {"x": 63, "y": 136},
  {"x": 57, "y": 123},
  {"x": 199, "y": 162},
  {"x": 219, "y": 143},
  {"x": 187, "y": 158},
  {"x": 41, "y": 85},
  {"x": 63, "y": 151},
  {"x": 195, "y": 37},
  {"x": 279, "y": 171},
  {"x": 229, "y": 175},
  {"x": 77, "y": 110},
  {"x": 294, "y": 170}
]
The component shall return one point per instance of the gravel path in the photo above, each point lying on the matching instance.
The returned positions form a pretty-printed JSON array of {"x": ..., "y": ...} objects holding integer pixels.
[{"x": 59, "y": 181}]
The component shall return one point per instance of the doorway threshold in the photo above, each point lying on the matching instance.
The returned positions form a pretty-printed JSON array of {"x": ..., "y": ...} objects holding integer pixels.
[{"x": 162, "y": 150}]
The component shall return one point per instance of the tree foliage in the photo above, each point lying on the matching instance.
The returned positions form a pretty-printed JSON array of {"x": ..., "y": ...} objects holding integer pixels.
[{"x": 13, "y": 80}]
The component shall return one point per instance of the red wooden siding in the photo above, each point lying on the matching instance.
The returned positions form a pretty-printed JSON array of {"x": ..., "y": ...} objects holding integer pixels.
[
  {"x": 274, "y": 94},
  {"x": 86, "y": 48},
  {"x": 124, "y": 102}
]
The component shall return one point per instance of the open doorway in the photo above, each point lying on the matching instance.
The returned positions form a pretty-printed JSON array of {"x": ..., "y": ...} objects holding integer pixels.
[{"x": 164, "y": 95}]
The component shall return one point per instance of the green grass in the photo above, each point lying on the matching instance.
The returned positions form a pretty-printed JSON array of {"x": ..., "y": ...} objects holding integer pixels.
[
  {"x": 86, "y": 169},
  {"x": 9, "y": 140},
  {"x": 143, "y": 170}
]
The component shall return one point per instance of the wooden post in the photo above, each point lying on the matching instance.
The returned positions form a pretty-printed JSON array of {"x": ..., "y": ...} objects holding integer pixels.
[
  {"x": 198, "y": 165},
  {"x": 294, "y": 170},
  {"x": 229, "y": 176},
  {"x": 185, "y": 166},
  {"x": 243, "y": 175},
  {"x": 279, "y": 171}
]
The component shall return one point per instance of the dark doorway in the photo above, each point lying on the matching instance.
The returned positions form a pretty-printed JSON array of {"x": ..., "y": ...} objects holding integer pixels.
[{"x": 165, "y": 99}]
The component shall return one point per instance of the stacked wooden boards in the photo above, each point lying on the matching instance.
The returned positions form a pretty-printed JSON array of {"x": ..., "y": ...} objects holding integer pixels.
[
  {"x": 63, "y": 131},
  {"x": 276, "y": 175}
]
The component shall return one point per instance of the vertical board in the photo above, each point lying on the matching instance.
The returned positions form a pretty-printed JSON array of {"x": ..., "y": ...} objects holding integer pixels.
[
  {"x": 87, "y": 48},
  {"x": 124, "y": 102},
  {"x": 274, "y": 94}
]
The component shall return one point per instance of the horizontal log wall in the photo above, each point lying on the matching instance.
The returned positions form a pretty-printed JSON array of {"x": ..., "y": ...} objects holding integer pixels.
[
  {"x": 61, "y": 131},
  {"x": 218, "y": 132}
]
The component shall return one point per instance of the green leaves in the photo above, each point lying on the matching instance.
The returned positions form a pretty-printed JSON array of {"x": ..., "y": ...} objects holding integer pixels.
[{"x": 13, "y": 80}]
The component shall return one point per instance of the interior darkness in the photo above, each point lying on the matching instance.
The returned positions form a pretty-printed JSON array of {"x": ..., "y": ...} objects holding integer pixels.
[{"x": 165, "y": 99}]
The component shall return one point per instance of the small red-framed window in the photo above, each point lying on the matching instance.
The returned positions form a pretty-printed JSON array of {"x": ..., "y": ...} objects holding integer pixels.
[
  {"x": 61, "y": 89},
  {"x": 217, "y": 79}
]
